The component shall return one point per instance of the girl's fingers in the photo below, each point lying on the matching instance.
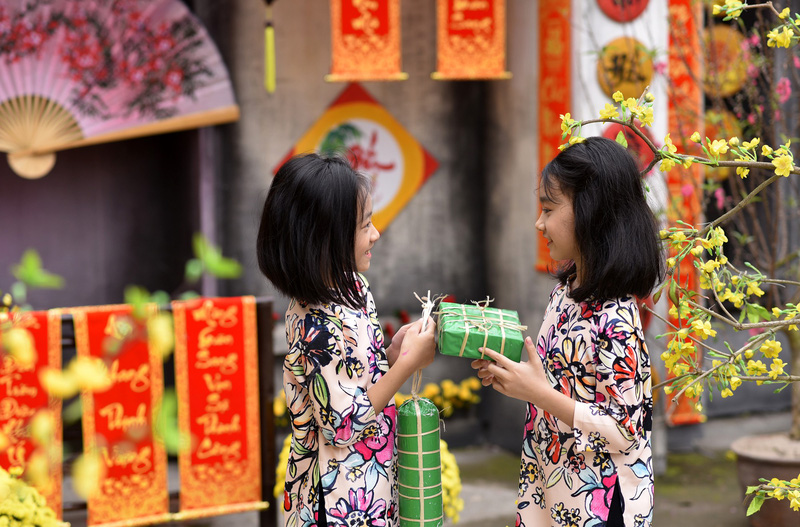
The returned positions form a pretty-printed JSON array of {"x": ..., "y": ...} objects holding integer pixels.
[{"x": 501, "y": 360}]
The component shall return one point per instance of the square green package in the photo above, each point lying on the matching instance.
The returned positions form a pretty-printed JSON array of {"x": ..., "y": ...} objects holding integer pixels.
[{"x": 462, "y": 329}]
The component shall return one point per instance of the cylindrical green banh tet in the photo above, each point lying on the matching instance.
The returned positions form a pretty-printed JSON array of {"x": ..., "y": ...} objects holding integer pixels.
[{"x": 419, "y": 465}]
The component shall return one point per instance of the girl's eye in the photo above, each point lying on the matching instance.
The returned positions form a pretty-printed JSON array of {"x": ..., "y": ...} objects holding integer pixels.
[{"x": 545, "y": 210}]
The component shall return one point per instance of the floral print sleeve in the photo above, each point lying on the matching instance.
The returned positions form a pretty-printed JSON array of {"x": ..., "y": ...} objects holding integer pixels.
[
  {"x": 322, "y": 355},
  {"x": 620, "y": 415}
]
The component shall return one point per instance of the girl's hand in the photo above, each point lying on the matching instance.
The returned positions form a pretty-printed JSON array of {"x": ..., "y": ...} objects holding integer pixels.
[
  {"x": 417, "y": 349},
  {"x": 522, "y": 380},
  {"x": 393, "y": 351}
]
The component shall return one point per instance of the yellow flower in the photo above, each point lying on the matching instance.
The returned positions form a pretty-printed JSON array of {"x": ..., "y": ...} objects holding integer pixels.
[
  {"x": 710, "y": 266},
  {"x": 726, "y": 392},
  {"x": 19, "y": 343},
  {"x": 771, "y": 349},
  {"x": 87, "y": 473},
  {"x": 609, "y": 112},
  {"x": 671, "y": 262},
  {"x": 751, "y": 144},
  {"x": 756, "y": 367},
  {"x": 753, "y": 289},
  {"x": 766, "y": 150},
  {"x": 776, "y": 368},
  {"x": 618, "y": 97},
  {"x": 703, "y": 329},
  {"x": 781, "y": 39},
  {"x": 697, "y": 251},
  {"x": 687, "y": 162},
  {"x": 669, "y": 144},
  {"x": 630, "y": 103},
  {"x": 776, "y": 312},
  {"x": 57, "y": 384},
  {"x": 718, "y": 147},
  {"x": 735, "y": 382},
  {"x": 696, "y": 137},
  {"x": 649, "y": 97},
  {"x": 664, "y": 234},
  {"x": 742, "y": 172},
  {"x": 160, "y": 334},
  {"x": 646, "y": 116},
  {"x": 783, "y": 165},
  {"x": 667, "y": 164},
  {"x": 737, "y": 298},
  {"x": 566, "y": 122},
  {"x": 576, "y": 139},
  {"x": 748, "y": 354},
  {"x": 733, "y": 141},
  {"x": 785, "y": 13},
  {"x": 678, "y": 236},
  {"x": 90, "y": 373}
]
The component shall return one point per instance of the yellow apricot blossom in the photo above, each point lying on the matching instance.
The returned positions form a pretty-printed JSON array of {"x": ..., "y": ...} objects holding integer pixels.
[
  {"x": 703, "y": 329},
  {"x": 609, "y": 112},
  {"x": 696, "y": 137},
  {"x": 783, "y": 165},
  {"x": 766, "y": 150},
  {"x": 776, "y": 368},
  {"x": 670, "y": 145},
  {"x": 667, "y": 164},
  {"x": 718, "y": 147},
  {"x": 618, "y": 97},
  {"x": 780, "y": 39},
  {"x": 771, "y": 349},
  {"x": 756, "y": 367},
  {"x": 753, "y": 289},
  {"x": 751, "y": 144},
  {"x": 742, "y": 172}
]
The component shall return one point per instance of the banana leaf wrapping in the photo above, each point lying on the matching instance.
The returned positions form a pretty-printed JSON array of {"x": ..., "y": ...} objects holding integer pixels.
[
  {"x": 419, "y": 465},
  {"x": 463, "y": 329}
]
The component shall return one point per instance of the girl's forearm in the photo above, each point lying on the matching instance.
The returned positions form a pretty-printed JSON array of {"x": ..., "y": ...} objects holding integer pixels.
[
  {"x": 387, "y": 386},
  {"x": 555, "y": 403}
]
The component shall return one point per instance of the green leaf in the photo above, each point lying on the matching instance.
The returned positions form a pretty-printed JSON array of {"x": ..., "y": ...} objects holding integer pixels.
[
  {"x": 621, "y": 139},
  {"x": 555, "y": 477},
  {"x": 755, "y": 505},
  {"x": 751, "y": 489},
  {"x": 212, "y": 260},
  {"x": 321, "y": 392},
  {"x": 138, "y": 297},
  {"x": 30, "y": 271},
  {"x": 194, "y": 270}
]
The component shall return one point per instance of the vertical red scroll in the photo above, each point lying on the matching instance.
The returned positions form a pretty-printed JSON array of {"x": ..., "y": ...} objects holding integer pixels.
[
  {"x": 366, "y": 41},
  {"x": 554, "y": 88},
  {"x": 685, "y": 117},
  {"x": 216, "y": 370},
  {"x": 118, "y": 423},
  {"x": 471, "y": 40},
  {"x": 22, "y": 397}
]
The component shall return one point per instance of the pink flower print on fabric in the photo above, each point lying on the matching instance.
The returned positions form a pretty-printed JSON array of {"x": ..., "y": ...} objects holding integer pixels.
[
  {"x": 599, "y": 500},
  {"x": 380, "y": 444},
  {"x": 359, "y": 510}
]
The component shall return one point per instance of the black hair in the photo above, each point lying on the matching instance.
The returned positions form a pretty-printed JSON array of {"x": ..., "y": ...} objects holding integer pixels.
[
  {"x": 616, "y": 233},
  {"x": 306, "y": 240}
]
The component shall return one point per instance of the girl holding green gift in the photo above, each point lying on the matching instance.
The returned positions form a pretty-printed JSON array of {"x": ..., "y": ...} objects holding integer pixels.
[
  {"x": 314, "y": 241},
  {"x": 586, "y": 456}
]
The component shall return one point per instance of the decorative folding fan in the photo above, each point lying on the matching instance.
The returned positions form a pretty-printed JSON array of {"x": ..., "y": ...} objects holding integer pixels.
[{"x": 94, "y": 71}]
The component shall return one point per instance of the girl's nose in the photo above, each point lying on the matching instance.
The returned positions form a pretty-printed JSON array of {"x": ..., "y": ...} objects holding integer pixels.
[
  {"x": 539, "y": 224},
  {"x": 375, "y": 234}
]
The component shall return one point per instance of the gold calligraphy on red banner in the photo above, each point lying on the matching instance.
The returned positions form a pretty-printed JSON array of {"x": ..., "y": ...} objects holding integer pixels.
[
  {"x": 685, "y": 116},
  {"x": 118, "y": 423},
  {"x": 216, "y": 371},
  {"x": 471, "y": 39},
  {"x": 23, "y": 399},
  {"x": 554, "y": 88},
  {"x": 366, "y": 40}
]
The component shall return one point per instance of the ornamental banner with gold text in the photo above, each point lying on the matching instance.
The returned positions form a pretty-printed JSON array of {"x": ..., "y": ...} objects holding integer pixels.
[
  {"x": 376, "y": 144},
  {"x": 216, "y": 373},
  {"x": 366, "y": 41},
  {"x": 471, "y": 40},
  {"x": 554, "y": 89},
  {"x": 118, "y": 423},
  {"x": 23, "y": 398},
  {"x": 685, "y": 117}
]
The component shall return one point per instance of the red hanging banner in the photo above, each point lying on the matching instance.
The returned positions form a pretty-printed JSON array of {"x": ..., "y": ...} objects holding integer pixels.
[
  {"x": 118, "y": 422},
  {"x": 23, "y": 399},
  {"x": 471, "y": 40},
  {"x": 554, "y": 88},
  {"x": 366, "y": 41},
  {"x": 685, "y": 117},
  {"x": 216, "y": 373}
]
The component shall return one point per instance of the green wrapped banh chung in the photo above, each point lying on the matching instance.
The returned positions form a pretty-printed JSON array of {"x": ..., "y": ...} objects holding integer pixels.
[
  {"x": 462, "y": 329},
  {"x": 419, "y": 465}
]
